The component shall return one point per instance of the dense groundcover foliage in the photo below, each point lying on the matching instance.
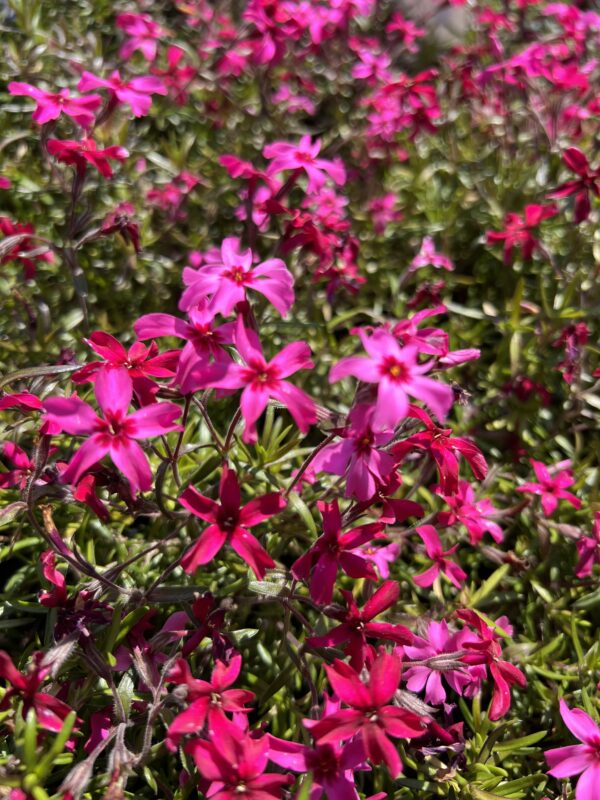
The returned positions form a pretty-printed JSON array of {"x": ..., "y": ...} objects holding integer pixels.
[{"x": 299, "y": 393}]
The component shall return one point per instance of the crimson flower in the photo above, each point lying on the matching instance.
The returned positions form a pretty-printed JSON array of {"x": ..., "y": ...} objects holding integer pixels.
[
  {"x": 121, "y": 220},
  {"x": 140, "y": 364},
  {"x": 80, "y": 153},
  {"x": 370, "y": 716},
  {"x": 50, "y": 712},
  {"x": 398, "y": 374},
  {"x": 136, "y": 93},
  {"x": 444, "y": 449},
  {"x": 22, "y": 469},
  {"x": 235, "y": 762},
  {"x": 50, "y": 106},
  {"x": 551, "y": 489},
  {"x": 114, "y": 433},
  {"x": 24, "y": 244},
  {"x": 261, "y": 380},
  {"x": 441, "y": 562},
  {"x": 207, "y": 698},
  {"x": 588, "y": 181},
  {"x": 229, "y": 523},
  {"x": 518, "y": 231},
  {"x": 488, "y": 651},
  {"x": 332, "y": 551},
  {"x": 588, "y": 549},
  {"x": 358, "y": 625}
]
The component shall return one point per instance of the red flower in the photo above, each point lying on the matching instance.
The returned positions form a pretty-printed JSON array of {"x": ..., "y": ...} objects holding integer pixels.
[
  {"x": 443, "y": 448},
  {"x": 357, "y": 625},
  {"x": 441, "y": 562},
  {"x": 332, "y": 551},
  {"x": 588, "y": 181},
  {"x": 85, "y": 151},
  {"x": 369, "y": 714},
  {"x": 229, "y": 523},
  {"x": 518, "y": 231},
  {"x": 49, "y": 710},
  {"x": 207, "y": 698}
]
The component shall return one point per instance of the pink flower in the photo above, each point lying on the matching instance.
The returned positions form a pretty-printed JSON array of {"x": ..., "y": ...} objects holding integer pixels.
[
  {"x": 429, "y": 256},
  {"x": 23, "y": 246},
  {"x": 356, "y": 626},
  {"x": 303, "y": 156},
  {"x": 50, "y": 712},
  {"x": 551, "y": 489},
  {"x": 207, "y": 699},
  {"x": 232, "y": 759},
  {"x": 369, "y": 715},
  {"x": 50, "y": 106},
  {"x": 332, "y": 551},
  {"x": 588, "y": 181},
  {"x": 383, "y": 211},
  {"x": 588, "y": 548},
  {"x": 578, "y": 758},
  {"x": 143, "y": 33},
  {"x": 205, "y": 341},
  {"x": 359, "y": 455},
  {"x": 82, "y": 152},
  {"x": 135, "y": 92},
  {"x": 230, "y": 523},
  {"x": 5, "y": 183},
  {"x": 398, "y": 374},
  {"x": 58, "y": 595},
  {"x": 473, "y": 514},
  {"x": 441, "y": 562},
  {"x": 116, "y": 432},
  {"x": 261, "y": 380},
  {"x": 226, "y": 281}
]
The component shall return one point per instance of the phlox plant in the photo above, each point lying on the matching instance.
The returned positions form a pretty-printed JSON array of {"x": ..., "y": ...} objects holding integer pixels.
[{"x": 299, "y": 370}]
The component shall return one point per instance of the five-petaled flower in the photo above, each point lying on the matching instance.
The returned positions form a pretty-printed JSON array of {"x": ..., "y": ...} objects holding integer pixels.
[
  {"x": 50, "y": 105},
  {"x": 79, "y": 153},
  {"x": 551, "y": 487},
  {"x": 441, "y": 562},
  {"x": 398, "y": 374},
  {"x": 304, "y": 156},
  {"x": 136, "y": 93},
  {"x": 116, "y": 432},
  {"x": 587, "y": 182},
  {"x": 581, "y": 758},
  {"x": 230, "y": 523}
]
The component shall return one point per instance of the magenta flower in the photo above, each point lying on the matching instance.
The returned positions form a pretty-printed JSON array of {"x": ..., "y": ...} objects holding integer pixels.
[
  {"x": 135, "y": 93},
  {"x": 116, "y": 432},
  {"x": 333, "y": 551},
  {"x": 25, "y": 250},
  {"x": 581, "y": 758},
  {"x": 370, "y": 716},
  {"x": 551, "y": 489},
  {"x": 50, "y": 712},
  {"x": 230, "y": 523},
  {"x": 207, "y": 699},
  {"x": 82, "y": 152},
  {"x": 441, "y": 562},
  {"x": 5, "y": 183},
  {"x": 518, "y": 231},
  {"x": 143, "y": 32},
  {"x": 359, "y": 455},
  {"x": 303, "y": 156},
  {"x": 398, "y": 374},
  {"x": 23, "y": 466},
  {"x": 226, "y": 281},
  {"x": 473, "y": 514},
  {"x": 205, "y": 341},
  {"x": 588, "y": 548},
  {"x": 587, "y": 182},
  {"x": 234, "y": 762},
  {"x": 51, "y": 105},
  {"x": 445, "y": 449},
  {"x": 439, "y": 641},
  {"x": 429, "y": 256},
  {"x": 261, "y": 380},
  {"x": 356, "y": 626},
  {"x": 140, "y": 363},
  {"x": 332, "y": 765}
]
